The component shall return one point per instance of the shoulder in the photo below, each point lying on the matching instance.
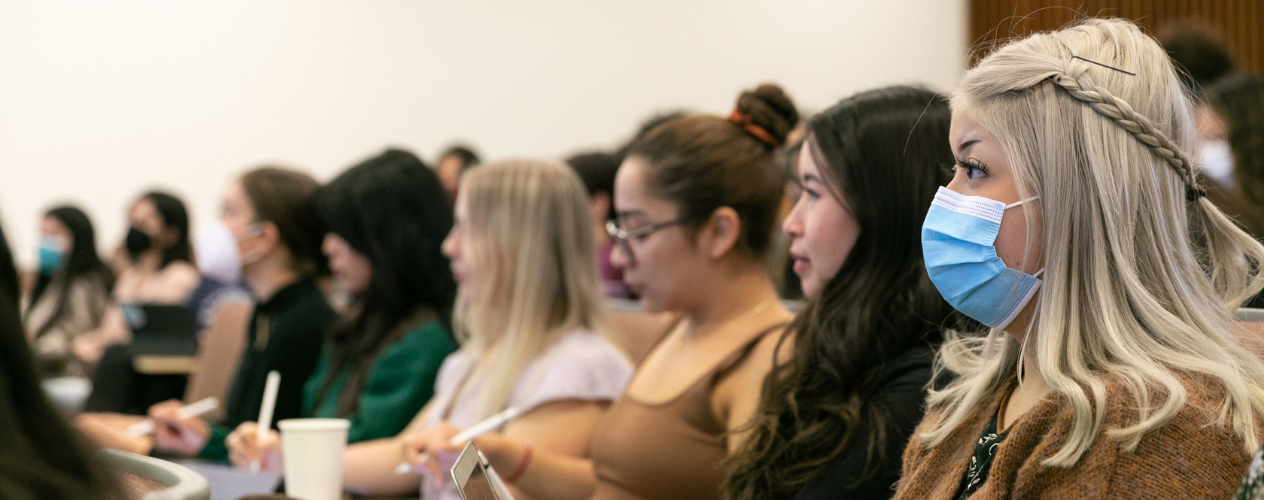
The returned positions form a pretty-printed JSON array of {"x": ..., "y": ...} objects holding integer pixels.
[
  {"x": 180, "y": 272},
  {"x": 422, "y": 344},
  {"x": 751, "y": 362},
  {"x": 430, "y": 333},
  {"x": 1193, "y": 452},
  {"x": 581, "y": 365}
]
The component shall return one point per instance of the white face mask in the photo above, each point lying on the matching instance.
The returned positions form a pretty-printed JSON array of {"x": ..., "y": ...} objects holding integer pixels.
[{"x": 1216, "y": 160}]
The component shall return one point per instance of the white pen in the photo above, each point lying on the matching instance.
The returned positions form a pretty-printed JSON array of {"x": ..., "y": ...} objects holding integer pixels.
[
  {"x": 188, "y": 411},
  {"x": 476, "y": 430},
  {"x": 270, "y": 387}
]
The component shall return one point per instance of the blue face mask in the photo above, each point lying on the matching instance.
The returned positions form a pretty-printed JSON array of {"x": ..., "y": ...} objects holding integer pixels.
[
  {"x": 957, "y": 245},
  {"x": 52, "y": 255}
]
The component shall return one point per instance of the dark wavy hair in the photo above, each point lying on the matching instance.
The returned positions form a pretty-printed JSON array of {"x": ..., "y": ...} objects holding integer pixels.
[
  {"x": 392, "y": 209},
  {"x": 176, "y": 218},
  {"x": 82, "y": 263},
  {"x": 41, "y": 456},
  {"x": 883, "y": 151}
]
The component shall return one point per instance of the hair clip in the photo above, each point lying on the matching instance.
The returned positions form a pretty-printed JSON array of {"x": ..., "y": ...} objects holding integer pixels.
[{"x": 1103, "y": 65}]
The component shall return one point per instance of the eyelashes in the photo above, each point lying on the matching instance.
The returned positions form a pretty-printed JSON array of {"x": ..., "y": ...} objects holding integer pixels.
[{"x": 972, "y": 166}]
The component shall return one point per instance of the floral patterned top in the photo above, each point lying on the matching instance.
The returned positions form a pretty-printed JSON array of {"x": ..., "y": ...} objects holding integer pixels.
[
  {"x": 981, "y": 460},
  {"x": 1253, "y": 486}
]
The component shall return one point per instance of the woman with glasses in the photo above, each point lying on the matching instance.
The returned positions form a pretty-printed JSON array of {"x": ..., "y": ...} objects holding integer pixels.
[{"x": 696, "y": 200}]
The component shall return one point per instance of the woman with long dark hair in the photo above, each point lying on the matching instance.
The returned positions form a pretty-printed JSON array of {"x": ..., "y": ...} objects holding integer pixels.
[
  {"x": 160, "y": 270},
  {"x": 71, "y": 292},
  {"x": 40, "y": 456},
  {"x": 833, "y": 419},
  {"x": 387, "y": 218}
]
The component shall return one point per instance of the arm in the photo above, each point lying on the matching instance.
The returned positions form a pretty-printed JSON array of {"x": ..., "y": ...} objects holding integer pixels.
[
  {"x": 558, "y": 433},
  {"x": 89, "y": 346},
  {"x": 369, "y": 466},
  {"x": 219, "y": 354}
]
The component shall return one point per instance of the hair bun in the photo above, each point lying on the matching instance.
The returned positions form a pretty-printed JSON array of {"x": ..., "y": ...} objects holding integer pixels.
[{"x": 771, "y": 109}]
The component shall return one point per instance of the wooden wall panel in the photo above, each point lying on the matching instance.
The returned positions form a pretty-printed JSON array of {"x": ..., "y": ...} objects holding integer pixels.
[{"x": 1239, "y": 23}]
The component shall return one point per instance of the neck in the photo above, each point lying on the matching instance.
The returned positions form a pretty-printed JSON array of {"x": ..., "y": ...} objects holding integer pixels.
[
  {"x": 729, "y": 300},
  {"x": 1019, "y": 331},
  {"x": 268, "y": 276}
]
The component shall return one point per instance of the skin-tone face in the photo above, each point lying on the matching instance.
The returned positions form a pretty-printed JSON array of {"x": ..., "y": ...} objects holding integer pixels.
[
  {"x": 351, "y": 269},
  {"x": 52, "y": 228},
  {"x": 457, "y": 248},
  {"x": 449, "y": 172},
  {"x": 144, "y": 216},
  {"x": 255, "y": 240},
  {"x": 1211, "y": 127},
  {"x": 983, "y": 170},
  {"x": 598, "y": 210},
  {"x": 668, "y": 268},
  {"x": 822, "y": 230}
]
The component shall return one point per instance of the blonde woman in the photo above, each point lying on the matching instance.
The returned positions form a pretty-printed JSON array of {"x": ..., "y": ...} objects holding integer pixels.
[
  {"x": 531, "y": 321},
  {"x": 1112, "y": 368}
]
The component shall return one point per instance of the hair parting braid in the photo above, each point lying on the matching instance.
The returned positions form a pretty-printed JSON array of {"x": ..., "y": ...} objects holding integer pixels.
[{"x": 1139, "y": 126}]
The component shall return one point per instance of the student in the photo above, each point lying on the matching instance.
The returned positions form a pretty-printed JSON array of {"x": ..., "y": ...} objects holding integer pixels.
[
  {"x": 71, "y": 293},
  {"x": 597, "y": 170},
  {"x": 696, "y": 200},
  {"x": 452, "y": 165},
  {"x": 531, "y": 319},
  {"x": 40, "y": 456},
  {"x": 834, "y": 418},
  {"x": 1235, "y": 109},
  {"x": 270, "y": 215},
  {"x": 1076, "y": 228},
  {"x": 159, "y": 270},
  {"x": 387, "y": 218}
]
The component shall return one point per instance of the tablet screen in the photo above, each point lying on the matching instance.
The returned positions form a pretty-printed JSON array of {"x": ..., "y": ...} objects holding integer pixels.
[
  {"x": 478, "y": 486},
  {"x": 471, "y": 476}
]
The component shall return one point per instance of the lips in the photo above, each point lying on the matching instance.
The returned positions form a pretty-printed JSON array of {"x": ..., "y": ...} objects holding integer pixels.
[{"x": 801, "y": 263}]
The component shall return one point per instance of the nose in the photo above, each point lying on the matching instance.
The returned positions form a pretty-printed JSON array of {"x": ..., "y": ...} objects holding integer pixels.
[
  {"x": 621, "y": 255},
  {"x": 958, "y": 183},
  {"x": 793, "y": 225}
]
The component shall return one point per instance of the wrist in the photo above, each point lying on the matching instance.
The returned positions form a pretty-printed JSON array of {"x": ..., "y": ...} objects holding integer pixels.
[{"x": 502, "y": 453}]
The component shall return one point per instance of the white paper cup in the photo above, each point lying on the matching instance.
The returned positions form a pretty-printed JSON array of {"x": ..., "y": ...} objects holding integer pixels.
[{"x": 312, "y": 449}]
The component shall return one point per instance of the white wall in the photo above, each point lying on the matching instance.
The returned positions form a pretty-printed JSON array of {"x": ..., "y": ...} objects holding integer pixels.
[{"x": 99, "y": 100}]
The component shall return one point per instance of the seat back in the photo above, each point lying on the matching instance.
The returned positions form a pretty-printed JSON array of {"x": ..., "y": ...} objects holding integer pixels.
[{"x": 146, "y": 478}]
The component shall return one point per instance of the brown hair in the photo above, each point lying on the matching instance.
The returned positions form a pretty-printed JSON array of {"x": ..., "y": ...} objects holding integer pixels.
[
  {"x": 704, "y": 162},
  {"x": 285, "y": 197}
]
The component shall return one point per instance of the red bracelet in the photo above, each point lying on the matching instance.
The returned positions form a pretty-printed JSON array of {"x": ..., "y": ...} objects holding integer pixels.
[{"x": 522, "y": 466}]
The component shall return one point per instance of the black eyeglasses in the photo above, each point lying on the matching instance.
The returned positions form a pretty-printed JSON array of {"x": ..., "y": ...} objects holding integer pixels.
[{"x": 623, "y": 236}]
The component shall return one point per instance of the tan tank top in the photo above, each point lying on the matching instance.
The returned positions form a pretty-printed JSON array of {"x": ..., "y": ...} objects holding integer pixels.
[{"x": 673, "y": 449}]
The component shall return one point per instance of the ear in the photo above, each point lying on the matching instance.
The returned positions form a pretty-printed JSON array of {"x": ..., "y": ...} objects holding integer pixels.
[
  {"x": 720, "y": 234},
  {"x": 269, "y": 237}
]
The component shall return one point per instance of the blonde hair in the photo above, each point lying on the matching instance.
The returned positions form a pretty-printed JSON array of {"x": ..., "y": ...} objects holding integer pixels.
[
  {"x": 528, "y": 228},
  {"x": 1125, "y": 292}
]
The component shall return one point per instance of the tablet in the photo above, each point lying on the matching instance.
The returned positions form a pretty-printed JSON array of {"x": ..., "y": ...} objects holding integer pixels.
[
  {"x": 162, "y": 330},
  {"x": 473, "y": 481}
]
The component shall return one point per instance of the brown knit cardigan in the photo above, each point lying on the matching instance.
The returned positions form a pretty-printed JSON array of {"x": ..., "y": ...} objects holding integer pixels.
[{"x": 1188, "y": 458}]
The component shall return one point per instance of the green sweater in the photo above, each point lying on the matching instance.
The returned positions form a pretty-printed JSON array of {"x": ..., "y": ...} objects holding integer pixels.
[{"x": 400, "y": 381}]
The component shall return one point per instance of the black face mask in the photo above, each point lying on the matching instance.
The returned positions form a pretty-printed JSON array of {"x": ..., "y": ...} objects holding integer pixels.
[{"x": 138, "y": 242}]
